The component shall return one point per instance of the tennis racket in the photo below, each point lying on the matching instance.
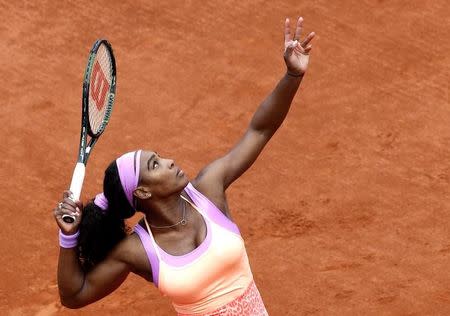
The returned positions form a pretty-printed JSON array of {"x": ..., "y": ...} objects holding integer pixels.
[{"x": 99, "y": 88}]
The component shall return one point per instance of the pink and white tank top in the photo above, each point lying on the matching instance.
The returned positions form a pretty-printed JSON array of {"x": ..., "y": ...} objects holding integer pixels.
[{"x": 209, "y": 277}]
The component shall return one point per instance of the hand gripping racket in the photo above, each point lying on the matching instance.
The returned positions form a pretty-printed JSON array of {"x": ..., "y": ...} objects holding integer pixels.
[{"x": 99, "y": 88}]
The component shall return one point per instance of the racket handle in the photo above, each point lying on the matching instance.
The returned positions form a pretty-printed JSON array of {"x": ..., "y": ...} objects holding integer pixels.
[
  {"x": 77, "y": 180},
  {"x": 75, "y": 187}
]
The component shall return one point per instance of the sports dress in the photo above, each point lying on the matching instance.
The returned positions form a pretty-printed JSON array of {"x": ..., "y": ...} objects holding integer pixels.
[{"x": 213, "y": 279}]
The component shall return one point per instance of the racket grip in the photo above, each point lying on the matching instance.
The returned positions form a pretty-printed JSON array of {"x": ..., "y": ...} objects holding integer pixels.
[
  {"x": 75, "y": 187},
  {"x": 77, "y": 180}
]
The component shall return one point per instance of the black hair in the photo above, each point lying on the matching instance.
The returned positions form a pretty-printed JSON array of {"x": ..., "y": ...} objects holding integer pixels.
[{"x": 101, "y": 230}]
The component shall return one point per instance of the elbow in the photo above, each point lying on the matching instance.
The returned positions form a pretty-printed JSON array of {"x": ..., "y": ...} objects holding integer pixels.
[{"x": 70, "y": 303}]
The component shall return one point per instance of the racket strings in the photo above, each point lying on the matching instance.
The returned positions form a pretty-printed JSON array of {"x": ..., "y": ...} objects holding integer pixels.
[{"x": 100, "y": 90}]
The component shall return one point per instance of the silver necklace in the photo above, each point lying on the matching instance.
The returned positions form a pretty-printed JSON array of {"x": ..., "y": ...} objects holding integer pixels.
[{"x": 182, "y": 222}]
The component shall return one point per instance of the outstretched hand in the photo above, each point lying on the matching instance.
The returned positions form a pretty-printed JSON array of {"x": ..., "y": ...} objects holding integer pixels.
[{"x": 296, "y": 51}]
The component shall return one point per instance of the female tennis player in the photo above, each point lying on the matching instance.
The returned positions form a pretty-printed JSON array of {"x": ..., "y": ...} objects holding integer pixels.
[{"x": 186, "y": 242}]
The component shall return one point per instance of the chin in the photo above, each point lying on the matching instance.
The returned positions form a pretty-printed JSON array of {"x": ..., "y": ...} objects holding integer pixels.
[{"x": 184, "y": 181}]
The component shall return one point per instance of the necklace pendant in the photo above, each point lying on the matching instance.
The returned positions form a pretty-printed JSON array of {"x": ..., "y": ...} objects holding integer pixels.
[{"x": 183, "y": 222}]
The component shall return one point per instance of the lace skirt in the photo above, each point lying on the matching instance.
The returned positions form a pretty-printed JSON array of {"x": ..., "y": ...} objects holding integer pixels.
[{"x": 249, "y": 303}]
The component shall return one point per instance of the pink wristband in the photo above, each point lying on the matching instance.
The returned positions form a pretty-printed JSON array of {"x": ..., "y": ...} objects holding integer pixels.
[{"x": 68, "y": 241}]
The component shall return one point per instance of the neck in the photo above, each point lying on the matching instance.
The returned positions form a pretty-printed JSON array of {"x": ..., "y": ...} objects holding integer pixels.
[{"x": 166, "y": 212}]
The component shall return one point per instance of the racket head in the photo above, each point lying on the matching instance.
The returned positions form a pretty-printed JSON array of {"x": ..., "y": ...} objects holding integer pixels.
[{"x": 99, "y": 87}]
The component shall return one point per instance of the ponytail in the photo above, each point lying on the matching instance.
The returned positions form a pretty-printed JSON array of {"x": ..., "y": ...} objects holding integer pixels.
[{"x": 101, "y": 230}]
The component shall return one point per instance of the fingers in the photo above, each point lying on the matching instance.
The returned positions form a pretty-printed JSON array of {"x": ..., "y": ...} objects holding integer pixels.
[
  {"x": 68, "y": 206},
  {"x": 62, "y": 209},
  {"x": 79, "y": 204},
  {"x": 298, "y": 29},
  {"x": 59, "y": 212},
  {"x": 287, "y": 30},
  {"x": 308, "y": 39},
  {"x": 67, "y": 194},
  {"x": 308, "y": 49},
  {"x": 295, "y": 46},
  {"x": 69, "y": 202},
  {"x": 289, "y": 39},
  {"x": 290, "y": 46}
]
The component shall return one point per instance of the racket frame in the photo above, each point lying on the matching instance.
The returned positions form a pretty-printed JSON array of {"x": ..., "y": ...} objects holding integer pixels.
[{"x": 86, "y": 146}]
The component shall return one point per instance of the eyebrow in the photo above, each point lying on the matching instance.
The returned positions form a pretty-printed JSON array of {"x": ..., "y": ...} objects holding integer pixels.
[{"x": 149, "y": 160}]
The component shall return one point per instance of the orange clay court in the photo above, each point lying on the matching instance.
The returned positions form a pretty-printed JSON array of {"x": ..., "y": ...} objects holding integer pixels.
[{"x": 346, "y": 212}]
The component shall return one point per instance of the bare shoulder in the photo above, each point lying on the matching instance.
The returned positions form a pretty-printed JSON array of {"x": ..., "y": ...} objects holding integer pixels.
[
  {"x": 213, "y": 191},
  {"x": 132, "y": 252}
]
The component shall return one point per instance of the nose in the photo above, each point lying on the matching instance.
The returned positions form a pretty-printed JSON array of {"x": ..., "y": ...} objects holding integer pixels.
[{"x": 171, "y": 163}]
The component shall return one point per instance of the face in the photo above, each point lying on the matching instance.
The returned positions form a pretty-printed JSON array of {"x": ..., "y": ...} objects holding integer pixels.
[{"x": 160, "y": 176}]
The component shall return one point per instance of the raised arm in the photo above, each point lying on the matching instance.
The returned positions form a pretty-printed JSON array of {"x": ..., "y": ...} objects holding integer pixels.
[
  {"x": 217, "y": 176},
  {"x": 76, "y": 288}
]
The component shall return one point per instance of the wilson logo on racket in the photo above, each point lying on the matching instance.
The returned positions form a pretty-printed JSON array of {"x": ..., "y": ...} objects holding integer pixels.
[{"x": 99, "y": 86}]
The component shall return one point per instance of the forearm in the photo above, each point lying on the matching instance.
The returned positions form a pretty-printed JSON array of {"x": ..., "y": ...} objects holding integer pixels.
[
  {"x": 272, "y": 111},
  {"x": 70, "y": 275}
]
